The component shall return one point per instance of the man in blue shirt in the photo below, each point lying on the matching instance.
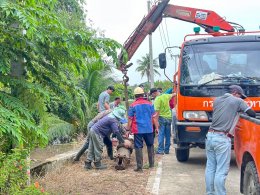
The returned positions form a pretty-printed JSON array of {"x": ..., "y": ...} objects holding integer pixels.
[{"x": 141, "y": 116}]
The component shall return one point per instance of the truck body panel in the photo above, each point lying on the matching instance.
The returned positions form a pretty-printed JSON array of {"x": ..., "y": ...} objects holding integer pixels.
[{"x": 247, "y": 145}]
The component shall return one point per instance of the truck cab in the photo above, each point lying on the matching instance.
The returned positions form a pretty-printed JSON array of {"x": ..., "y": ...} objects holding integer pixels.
[{"x": 207, "y": 67}]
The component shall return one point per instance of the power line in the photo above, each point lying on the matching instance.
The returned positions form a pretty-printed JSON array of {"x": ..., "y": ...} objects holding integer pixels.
[
  {"x": 164, "y": 37},
  {"x": 161, "y": 37},
  {"x": 167, "y": 32}
]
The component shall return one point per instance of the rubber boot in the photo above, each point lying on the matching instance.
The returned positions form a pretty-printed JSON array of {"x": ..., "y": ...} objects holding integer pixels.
[
  {"x": 99, "y": 165},
  {"x": 81, "y": 152},
  {"x": 150, "y": 151},
  {"x": 88, "y": 165},
  {"x": 110, "y": 153},
  {"x": 139, "y": 159}
]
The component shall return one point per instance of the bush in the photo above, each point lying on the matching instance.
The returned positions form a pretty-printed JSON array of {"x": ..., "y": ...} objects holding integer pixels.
[
  {"x": 14, "y": 174},
  {"x": 59, "y": 131}
]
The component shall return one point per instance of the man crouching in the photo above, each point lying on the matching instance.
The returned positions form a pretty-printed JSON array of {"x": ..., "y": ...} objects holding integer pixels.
[{"x": 103, "y": 128}]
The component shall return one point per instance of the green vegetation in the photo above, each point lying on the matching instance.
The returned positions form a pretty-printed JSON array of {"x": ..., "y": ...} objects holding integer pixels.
[
  {"x": 52, "y": 68},
  {"x": 144, "y": 67},
  {"x": 166, "y": 84},
  {"x": 14, "y": 174},
  {"x": 51, "y": 62}
]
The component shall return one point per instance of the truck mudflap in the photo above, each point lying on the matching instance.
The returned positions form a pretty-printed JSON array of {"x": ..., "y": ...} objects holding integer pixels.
[{"x": 190, "y": 134}]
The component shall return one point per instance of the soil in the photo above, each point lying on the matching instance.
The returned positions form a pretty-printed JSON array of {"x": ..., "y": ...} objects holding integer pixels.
[{"x": 74, "y": 179}]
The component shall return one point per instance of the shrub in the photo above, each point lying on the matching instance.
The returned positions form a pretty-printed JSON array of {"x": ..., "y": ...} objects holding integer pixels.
[
  {"x": 14, "y": 174},
  {"x": 58, "y": 129}
]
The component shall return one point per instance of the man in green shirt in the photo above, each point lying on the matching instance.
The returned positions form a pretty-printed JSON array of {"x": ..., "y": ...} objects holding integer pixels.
[{"x": 164, "y": 114}]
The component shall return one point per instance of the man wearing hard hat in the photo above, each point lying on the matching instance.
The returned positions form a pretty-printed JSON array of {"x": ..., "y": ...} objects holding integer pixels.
[{"x": 141, "y": 116}]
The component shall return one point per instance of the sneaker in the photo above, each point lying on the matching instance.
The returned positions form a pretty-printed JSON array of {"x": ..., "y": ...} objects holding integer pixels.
[{"x": 167, "y": 152}]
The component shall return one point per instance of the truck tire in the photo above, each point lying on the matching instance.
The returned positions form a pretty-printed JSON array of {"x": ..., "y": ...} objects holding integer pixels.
[
  {"x": 251, "y": 184},
  {"x": 182, "y": 155}
]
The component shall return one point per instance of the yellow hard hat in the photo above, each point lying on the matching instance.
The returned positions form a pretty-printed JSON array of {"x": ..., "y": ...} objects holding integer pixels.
[{"x": 138, "y": 90}]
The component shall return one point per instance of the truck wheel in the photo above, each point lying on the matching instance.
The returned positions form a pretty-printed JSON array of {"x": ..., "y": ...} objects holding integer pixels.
[
  {"x": 251, "y": 184},
  {"x": 182, "y": 155}
]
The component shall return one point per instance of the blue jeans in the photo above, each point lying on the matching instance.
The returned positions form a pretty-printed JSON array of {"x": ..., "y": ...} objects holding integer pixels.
[
  {"x": 164, "y": 134},
  {"x": 218, "y": 151},
  {"x": 147, "y": 137}
]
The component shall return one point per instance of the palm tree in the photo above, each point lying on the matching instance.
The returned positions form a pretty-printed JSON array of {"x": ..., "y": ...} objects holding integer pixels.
[{"x": 144, "y": 66}]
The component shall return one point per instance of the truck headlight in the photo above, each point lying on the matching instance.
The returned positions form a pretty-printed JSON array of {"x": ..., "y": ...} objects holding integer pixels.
[{"x": 195, "y": 115}]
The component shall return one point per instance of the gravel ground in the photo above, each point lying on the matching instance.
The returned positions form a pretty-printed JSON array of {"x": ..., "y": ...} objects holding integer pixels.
[{"x": 74, "y": 179}]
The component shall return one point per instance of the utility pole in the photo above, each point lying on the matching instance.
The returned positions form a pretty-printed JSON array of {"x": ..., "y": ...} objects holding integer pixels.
[{"x": 151, "y": 51}]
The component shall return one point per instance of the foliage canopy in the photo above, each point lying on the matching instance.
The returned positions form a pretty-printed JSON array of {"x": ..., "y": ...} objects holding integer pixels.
[{"x": 46, "y": 51}]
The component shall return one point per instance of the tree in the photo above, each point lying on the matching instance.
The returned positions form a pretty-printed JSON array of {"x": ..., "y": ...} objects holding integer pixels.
[
  {"x": 144, "y": 67},
  {"x": 45, "y": 62},
  {"x": 46, "y": 52},
  {"x": 166, "y": 84}
]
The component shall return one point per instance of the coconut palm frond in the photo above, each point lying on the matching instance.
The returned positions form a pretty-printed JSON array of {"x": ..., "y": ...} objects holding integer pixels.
[{"x": 144, "y": 66}]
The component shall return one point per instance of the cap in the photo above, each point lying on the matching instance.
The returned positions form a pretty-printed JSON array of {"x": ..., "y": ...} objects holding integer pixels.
[
  {"x": 153, "y": 90},
  {"x": 138, "y": 90},
  {"x": 238, "y": 89}
]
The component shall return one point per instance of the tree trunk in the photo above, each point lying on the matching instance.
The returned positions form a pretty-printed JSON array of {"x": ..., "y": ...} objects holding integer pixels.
[{"x": 148, "y": 76}]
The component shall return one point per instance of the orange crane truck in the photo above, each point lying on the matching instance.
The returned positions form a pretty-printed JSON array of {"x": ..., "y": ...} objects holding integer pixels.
[
  {"x": 207, "y": 66},
  {"x": 246, "y": 146}
]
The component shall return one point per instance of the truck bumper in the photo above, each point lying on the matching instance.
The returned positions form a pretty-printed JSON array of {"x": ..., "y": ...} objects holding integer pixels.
[{"x": 190, "y": 134}]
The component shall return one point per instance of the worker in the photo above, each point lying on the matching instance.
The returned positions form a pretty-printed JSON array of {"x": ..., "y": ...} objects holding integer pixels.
[
  {"x": 146, "y": 96},
  {"x": 115, "y": 103},
  {"x": 172, "y": 107},
  {"x": 160, "y": 89},
  {"x": 103, "y": 128},
  {"x": 103, "y": 99},
  {"x": 171, "y": 102},
  {"x": 141, "y": 116},
  {"x": 107, "y": 141},
  {"x": 164, "y": 115},
  {"x": 142, "y": 86},
  {"x": 218, "y": 141}
]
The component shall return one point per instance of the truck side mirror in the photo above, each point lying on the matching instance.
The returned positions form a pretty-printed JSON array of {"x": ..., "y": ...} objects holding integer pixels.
[{"x": 162, "y": 60}]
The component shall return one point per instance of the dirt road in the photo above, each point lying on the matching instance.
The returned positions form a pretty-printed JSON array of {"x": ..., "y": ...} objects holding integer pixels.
[
  {"x": 168, "y": 177},
  {"x": 74, "y": 179}
]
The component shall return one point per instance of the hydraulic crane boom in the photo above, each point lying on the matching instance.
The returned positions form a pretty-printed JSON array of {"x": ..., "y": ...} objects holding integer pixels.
[{"x": 205, "y": 18}]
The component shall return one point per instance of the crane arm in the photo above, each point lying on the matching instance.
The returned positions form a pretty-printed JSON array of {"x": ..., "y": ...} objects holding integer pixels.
[
  {"x": 205, "y": 18},
  {"x": 148, "y": 25}
]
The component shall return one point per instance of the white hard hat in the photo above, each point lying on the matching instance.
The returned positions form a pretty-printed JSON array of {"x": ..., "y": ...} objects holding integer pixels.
[{"x": 138, "y": 90}]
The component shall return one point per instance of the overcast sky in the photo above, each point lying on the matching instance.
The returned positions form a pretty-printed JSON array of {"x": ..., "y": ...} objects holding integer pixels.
[{"x": 118, "y": 19}]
